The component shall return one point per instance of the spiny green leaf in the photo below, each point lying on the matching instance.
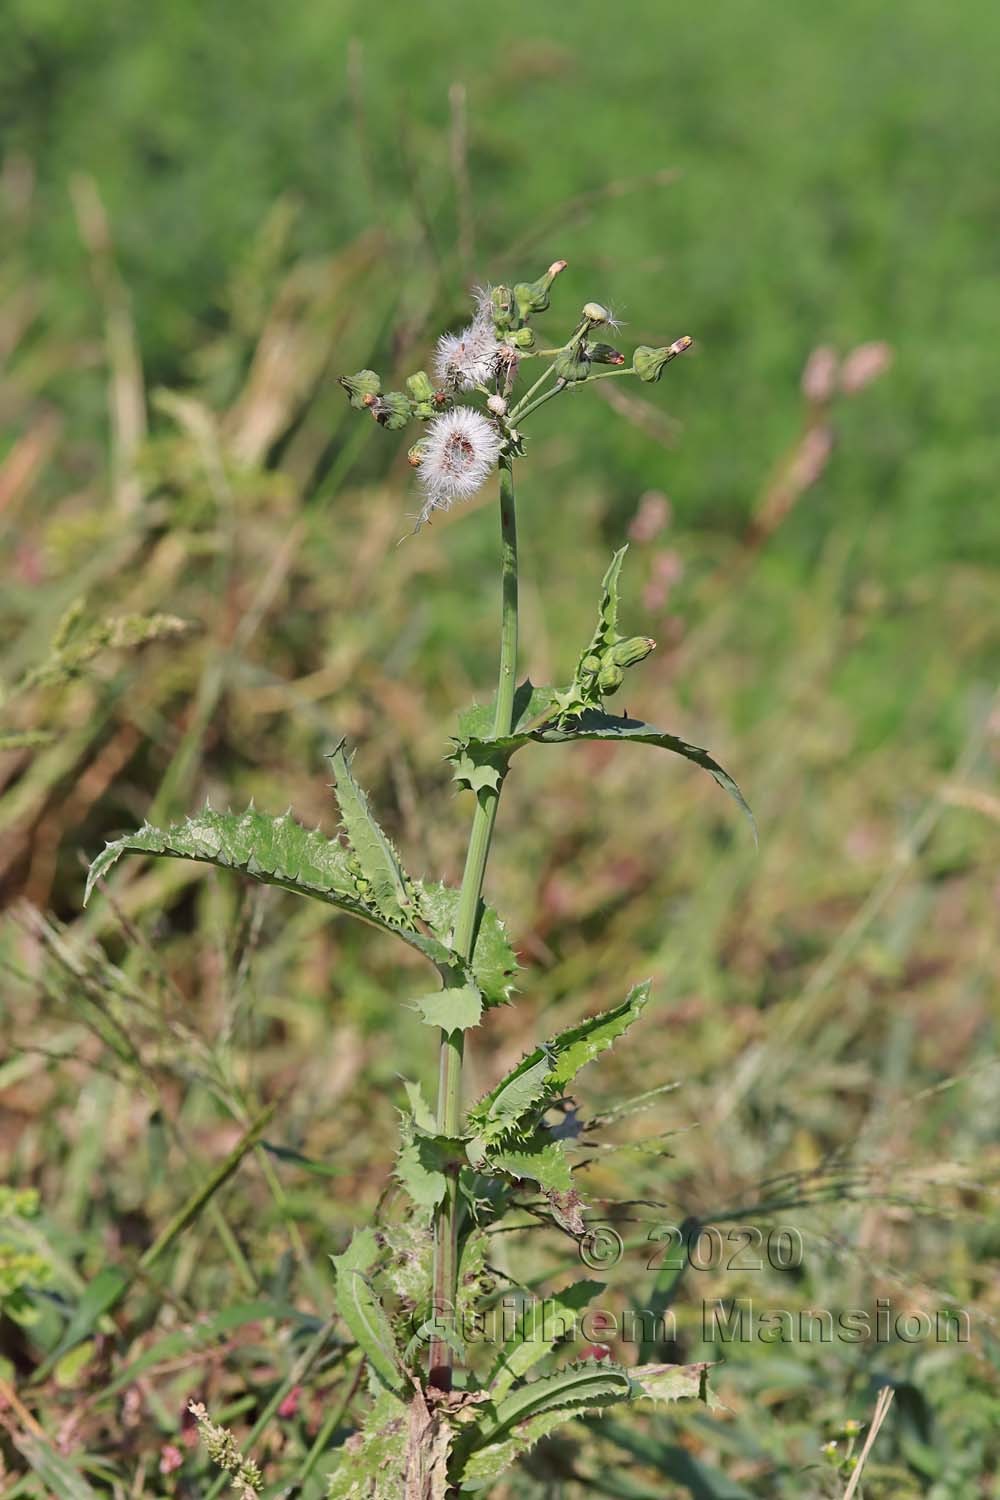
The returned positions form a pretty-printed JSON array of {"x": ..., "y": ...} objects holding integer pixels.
[
  {"x": 510, "y": 1428},
  {"x": 422, "y": 1165},
  {"x": 606, "y": 631},
  {"x": 372, "y": 1465},
  {"x": 567, "y": 1393},
  {"x": 538, "y": 1332},
  {"x": 408, "y": 1249},
  {"x": 578, "y": 1045},
  {"x": 494, "y": 962},
  {"x": 543, "y": 1074},
  {"x": 451, "y": 1009},
  {"x": 388, "y": 887},
  {"x": 479, "y": 770},
  {"x": 471, "y": 1273},
  {"x": 277, "y": 851},
  {"x": 539, "y": 1158},
  {"x": 530, "y": 703},
  {"x": 673, "y": 1383},
  {"x": 488, "y": 1463},
  {"x": 363, "y": 1313},
  {"x": 423, "y": 1115},
  {"x": 594, "y": 724}
]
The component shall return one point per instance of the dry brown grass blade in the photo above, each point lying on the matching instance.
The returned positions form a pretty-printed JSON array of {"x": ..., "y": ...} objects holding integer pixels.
[
  {"x": 127, "y": 390},
  {"x": 879, "y": 1415},
  {"x": 27, "y": 460}
]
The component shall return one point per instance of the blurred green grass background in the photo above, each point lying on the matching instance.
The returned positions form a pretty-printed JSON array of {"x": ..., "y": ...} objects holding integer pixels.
[{"x": 235, "y": 205}]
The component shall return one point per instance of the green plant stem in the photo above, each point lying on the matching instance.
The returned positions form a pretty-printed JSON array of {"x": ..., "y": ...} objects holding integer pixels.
[
  {"x": 522, "y": 411},
  {"x": 526, "y": 398},
  {"x": 449, "y": 1110}
]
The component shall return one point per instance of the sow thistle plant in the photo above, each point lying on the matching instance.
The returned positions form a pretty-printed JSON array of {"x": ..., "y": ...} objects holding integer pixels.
[{"x": 409, "y": 1291}]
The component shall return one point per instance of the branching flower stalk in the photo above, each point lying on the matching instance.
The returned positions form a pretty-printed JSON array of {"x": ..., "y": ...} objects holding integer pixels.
[{"x": 400, "y": 1291}]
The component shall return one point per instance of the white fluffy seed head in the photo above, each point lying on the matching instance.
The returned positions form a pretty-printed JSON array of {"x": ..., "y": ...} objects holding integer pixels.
[
  {"x": 467, "y": 359},
  {"x": 459, "y": 450}
]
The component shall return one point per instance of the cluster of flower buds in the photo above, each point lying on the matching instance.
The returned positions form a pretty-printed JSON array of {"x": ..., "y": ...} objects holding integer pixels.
[
  {"x": 393, "y": 409},
  {"x": 462, "y": 444},
  {"x": 606, "y": 671}
]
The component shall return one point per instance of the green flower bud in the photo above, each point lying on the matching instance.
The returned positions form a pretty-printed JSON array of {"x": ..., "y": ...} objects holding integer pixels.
[
  {"x": 590, "y": 666},
  {"x": 364, "y": 384},
  {"x": 533, "y": 296},
  {"x": 502, "y": 303},
  {"x": 393, "y": 410},
  {"x": 628, "y": 653},
  {"x": 610, "y": 679},
  {"x": 571, "y": 364},
  {"x": 522, "y": 338},
  {"x": 648, "y": 363},
  {"x": 419, "y": 386},
  {"x": 603, "y": 354},
  {"x": 415, "y": 455}
]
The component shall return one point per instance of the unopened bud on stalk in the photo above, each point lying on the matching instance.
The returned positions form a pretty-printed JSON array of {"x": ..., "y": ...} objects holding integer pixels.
[
  {"x": 502, "y": 307},
  {"x": 629, "y": 653},
  {"x": 497, "y": 405},
  {"x": 522, "y": 338},
  {"x": 419, "y": 386},
  {"x": 603, "y": 354},
  {"x": 533, "y": 296},
  {"x": 393, "y": 410},
  {"x": 571, "y": 365},
  {"x": 364, "y": 384},
  {"x": 648, "y": 363},
  {"x": 596, "y": 314},
  {"x": 415, "y": 455},
  {"x": 591, "y": 665},
  {"x": 610, "y": 679}
]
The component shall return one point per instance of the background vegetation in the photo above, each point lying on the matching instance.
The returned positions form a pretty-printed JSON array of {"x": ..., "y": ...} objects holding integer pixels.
[{"x": 208, "y": 213}]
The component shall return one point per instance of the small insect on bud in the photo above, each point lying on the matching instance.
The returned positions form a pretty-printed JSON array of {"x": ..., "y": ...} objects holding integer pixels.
[
  {"x": 610, "y": 679},
  {"x": 628, "y": 653},
  {"x": 603, "y": 354},
  {"x": 533, "y": 296},
  {"x": 364, "y": 384},
  {"x": 648, "y": 363},
  {"x": 393, "y": 410},
  {"x": 497, "y": 405}
]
